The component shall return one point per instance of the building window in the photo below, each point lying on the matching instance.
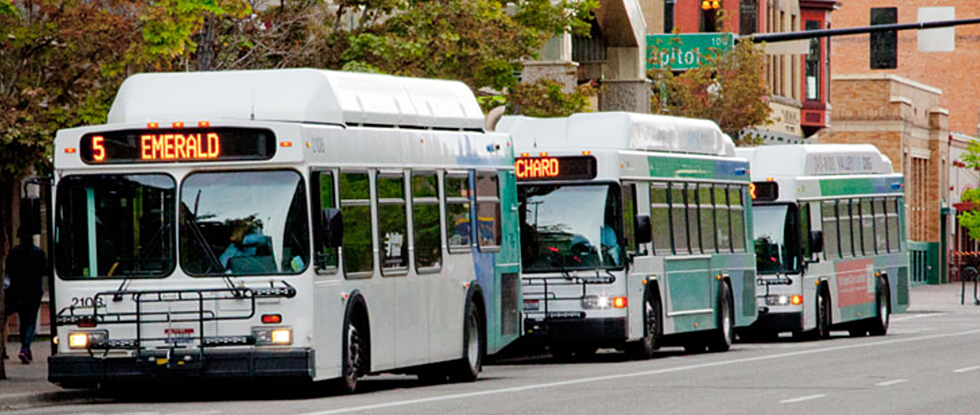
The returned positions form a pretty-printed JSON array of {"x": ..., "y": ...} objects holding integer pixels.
[
  {"x": 813, "y": 64},
  {"x": 748, "y": 17},
  {"x": 669, "y": 16},
  {"x": 884, "y": 45}
]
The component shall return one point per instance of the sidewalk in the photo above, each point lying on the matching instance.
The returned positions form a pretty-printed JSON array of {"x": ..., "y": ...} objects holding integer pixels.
[{"x": 27, "y": 385}]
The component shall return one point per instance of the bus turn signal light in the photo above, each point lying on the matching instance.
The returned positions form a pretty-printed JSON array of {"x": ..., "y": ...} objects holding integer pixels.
[
  {"x": 796, "y": 299},
  {"x": 620, "y": 302},
  {"x": 271, "y": 318}
]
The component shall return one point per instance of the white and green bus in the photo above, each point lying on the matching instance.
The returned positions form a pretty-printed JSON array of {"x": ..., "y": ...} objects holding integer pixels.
[
  {"x": 634, "y": 232},
  {"x": 288, "y": 224},
  {"x": 830, "y": 240}
]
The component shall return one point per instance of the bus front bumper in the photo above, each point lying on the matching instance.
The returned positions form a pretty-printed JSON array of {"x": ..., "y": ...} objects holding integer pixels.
[
  {"x": 291, "y": 364},
  {"x": 778, "y": 321},
  {"x": 598, "y": 331}
]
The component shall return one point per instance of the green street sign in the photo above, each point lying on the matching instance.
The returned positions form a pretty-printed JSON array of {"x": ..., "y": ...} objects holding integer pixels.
[{"x": 688, "y": 50}]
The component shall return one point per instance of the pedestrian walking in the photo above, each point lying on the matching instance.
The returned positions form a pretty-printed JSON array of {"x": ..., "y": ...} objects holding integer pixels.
[{"x": 26, "y": 266}]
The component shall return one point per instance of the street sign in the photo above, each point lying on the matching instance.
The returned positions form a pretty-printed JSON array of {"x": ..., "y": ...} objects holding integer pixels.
[{"x": 688, "y": 50}]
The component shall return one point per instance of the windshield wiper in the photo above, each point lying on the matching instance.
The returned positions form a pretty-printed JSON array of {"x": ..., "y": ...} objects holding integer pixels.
[{"x": 201, "y": 242}]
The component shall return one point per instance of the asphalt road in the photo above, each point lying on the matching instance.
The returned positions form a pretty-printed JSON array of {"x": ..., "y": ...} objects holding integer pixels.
[{"x": 929, "y": 363}]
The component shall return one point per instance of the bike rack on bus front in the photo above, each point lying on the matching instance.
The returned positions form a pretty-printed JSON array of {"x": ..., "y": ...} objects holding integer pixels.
[
  {"x": 547, "y": 296},
  {"x": 200, "y": 316}
]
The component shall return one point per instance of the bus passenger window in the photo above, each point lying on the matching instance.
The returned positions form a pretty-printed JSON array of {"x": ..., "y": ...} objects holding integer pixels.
[
  {"x": 724, "y": 228},
  {"x": 738, "y": 218},
  {"x": 894, "y": 227},
  {"x": 326, "y": 257},
  {"x": 660, "y": 219},
  {"x": 831, "y": 243},
  {"x": 355, "y": 207},
  {"x": 881, "y": 234},
  {"x": 693, "y": 223},
  {"x": 488, "y": 211},
  {"x": 844, "y": 220},
  {"x": 678, "y": 219},
  {"x": 458, "y": 212},
  {"x": 392, "y": 223},
  {"x": 867, "y": 227},
  {"x": 707, "y": 213},
  {"x": 425, "y": 222}
]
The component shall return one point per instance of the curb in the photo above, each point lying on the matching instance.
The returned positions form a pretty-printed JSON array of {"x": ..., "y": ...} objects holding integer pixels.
[{"x": 27, "y": 400}]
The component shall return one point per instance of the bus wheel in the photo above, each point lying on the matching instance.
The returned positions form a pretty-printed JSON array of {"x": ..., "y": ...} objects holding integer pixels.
[
  {"x": 652, "y": 329},
  {"x": 355, "y": 348},
  {"x": 879, "y": 325},
  {"x": 468, "y": 368},
  {"x": 722, "y": 338}
]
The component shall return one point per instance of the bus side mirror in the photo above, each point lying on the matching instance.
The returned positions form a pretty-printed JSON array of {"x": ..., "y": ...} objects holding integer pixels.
[
  {"x": 816, "y": 241},
  {"x": 30, "y": 215},
  {"x": 332, "y": 228},
  {"x": 644, "y": 230}
]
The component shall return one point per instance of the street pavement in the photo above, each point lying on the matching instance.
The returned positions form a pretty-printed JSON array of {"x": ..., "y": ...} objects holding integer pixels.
[{"x": 928, "y": 363}]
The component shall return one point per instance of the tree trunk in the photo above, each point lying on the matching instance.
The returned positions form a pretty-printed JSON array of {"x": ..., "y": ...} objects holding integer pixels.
[
  {"x": 6, "y": 220},
  {"x": 205, "y": 46}
]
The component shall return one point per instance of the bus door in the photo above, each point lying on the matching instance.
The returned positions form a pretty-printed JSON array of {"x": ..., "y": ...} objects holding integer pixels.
[
  {"x": 688, "y": 278},
  {"x": 640, "y": 262}
]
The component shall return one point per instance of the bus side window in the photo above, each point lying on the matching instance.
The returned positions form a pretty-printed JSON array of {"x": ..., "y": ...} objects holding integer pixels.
[
  {"x": 738, "y": 218},
  {"x": 881, "y": 232},
  {"x": 805, "y": 231},
  {"x": 426, "y": 223},
  {"x": 392, "y": 223},
  {"x": 660, "y": 218},
  {"x": 458, "y": 223},
  {"x": 722, "y": 218},
  {"x": 707, "y": 214},
  {"x": 844, "y": 220},
  {"x": 629, "y": 217},
  {"x": 355, "y": 207},
  {"x": 867, "y": 227},
  {"x": 831, "y": 243},
  {"x": 693, "y": 222},
  {"x": 488, "y": 211},
  {"x": 325, "y": 197},
  {"x": 891, "y": 217},
  {"x": 678, "y": 219}
]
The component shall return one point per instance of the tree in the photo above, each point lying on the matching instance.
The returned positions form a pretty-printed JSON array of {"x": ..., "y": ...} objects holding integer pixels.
[
  {"x": 970, "y": 219},
  {"x": 729, "y": 89},
  {"x": 546, "y": 98}
]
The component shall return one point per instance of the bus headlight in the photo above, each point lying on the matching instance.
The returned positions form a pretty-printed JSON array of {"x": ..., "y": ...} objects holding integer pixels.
[
  {"x": 83, "y": 340},
  {"x": 268, "y": 336},
  {"x": 599, "y": 302}
]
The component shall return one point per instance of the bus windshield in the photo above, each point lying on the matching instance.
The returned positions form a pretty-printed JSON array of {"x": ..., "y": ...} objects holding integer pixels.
[
  {"x": 115, "y": 226},
  {"x": 570, "y": 227},
  {"x": 777, "y": 242},
  {"x": 243, "y": 223}
]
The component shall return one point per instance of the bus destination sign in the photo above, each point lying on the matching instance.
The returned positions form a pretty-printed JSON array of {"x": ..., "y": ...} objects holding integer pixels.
[
  {"x": 764, "y": 191},
  {"x": 155, "y": 145},
  {"x": 556, "y": 168}
]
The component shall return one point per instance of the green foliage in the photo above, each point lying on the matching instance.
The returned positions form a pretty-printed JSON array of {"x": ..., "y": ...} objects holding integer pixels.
[
  {"x": 546, "y": 98},
  {"x": 729, "y": 89},
  {"x": 971, "y": 219},
  {"x": 170, "y": 26}
]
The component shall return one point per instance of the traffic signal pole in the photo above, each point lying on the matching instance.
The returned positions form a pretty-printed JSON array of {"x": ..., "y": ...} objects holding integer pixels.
[{"x": 809, "y": 34}]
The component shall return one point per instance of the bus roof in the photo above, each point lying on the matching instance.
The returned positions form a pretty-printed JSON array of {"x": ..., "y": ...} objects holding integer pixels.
[
  {"x": 296, "y": 95},
  {"x": 618, "y": 131},
  {"x": 798, "y": 160}
]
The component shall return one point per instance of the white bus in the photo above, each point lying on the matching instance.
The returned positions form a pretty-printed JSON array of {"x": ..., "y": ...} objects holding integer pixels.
[
  {"x": 294, "y": 224},
  {"x": 634, "y": 231},
  {"x": 830, "y": 240}
]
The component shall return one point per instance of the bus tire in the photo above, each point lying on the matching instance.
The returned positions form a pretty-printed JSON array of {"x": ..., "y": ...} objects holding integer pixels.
[
  {"x": 878, "y": 326},
  {"x": 468, "y": 368},
  {"x": 653, "y": 329},
  {"x": 355, "y": 349},
  {"x": 822, "y": 329},
  {"x": 724, "y": 335}
]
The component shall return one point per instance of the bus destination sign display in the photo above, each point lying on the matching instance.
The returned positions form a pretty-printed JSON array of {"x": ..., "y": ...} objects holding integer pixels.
[
  {"x": 764, "y": 191},
  {"x": 555, "y": 168},
  {"x": 156, "y": 145}
]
